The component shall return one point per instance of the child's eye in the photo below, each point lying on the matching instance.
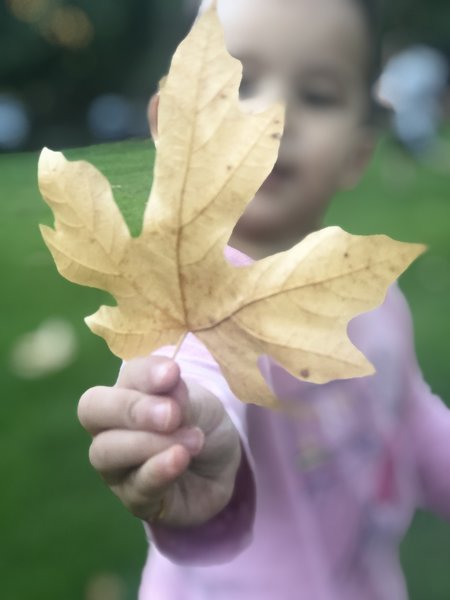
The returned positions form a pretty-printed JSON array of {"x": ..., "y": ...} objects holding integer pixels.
[{"x": 317, "y": 99}]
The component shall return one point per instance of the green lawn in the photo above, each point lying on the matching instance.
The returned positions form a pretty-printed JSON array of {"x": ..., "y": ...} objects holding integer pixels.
[{"x": 60, "y": 526}]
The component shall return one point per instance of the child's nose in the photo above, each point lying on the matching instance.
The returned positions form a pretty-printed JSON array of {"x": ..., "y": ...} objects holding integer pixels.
[{"x": 291, "y": 126}]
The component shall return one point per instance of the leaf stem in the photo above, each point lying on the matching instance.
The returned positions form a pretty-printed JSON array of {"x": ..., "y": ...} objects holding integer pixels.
[{"x": 180, "y": 343}]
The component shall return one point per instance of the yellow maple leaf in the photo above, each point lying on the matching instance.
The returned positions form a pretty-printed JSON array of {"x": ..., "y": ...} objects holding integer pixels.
[{"x": 173, "y": 279}]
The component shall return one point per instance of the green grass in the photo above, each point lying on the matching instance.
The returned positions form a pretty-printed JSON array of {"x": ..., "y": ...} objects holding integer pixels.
[{"x": 60, "y": 525}]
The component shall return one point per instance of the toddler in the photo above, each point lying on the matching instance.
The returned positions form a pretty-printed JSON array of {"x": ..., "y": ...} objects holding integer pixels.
[{"x": 240, "y": 502}]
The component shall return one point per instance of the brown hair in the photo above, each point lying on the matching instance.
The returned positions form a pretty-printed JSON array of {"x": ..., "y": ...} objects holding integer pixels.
[{"x": 372, "y": 13}]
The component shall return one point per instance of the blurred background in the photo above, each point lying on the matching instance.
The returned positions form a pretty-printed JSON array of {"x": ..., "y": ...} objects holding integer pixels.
[
  {"x": 75, "y": 73},
  {"x": 72, "y": 72}
]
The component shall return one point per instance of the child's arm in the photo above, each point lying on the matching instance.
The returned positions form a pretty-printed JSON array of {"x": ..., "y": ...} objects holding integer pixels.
[
  {"x": 430, "y": 436},
  {"x": 428, "y": 424},
  {"x": 156, "y": 438}
]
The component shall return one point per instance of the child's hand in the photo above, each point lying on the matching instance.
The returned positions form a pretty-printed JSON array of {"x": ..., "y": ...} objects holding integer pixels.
[{"x": 161, "y": 444}]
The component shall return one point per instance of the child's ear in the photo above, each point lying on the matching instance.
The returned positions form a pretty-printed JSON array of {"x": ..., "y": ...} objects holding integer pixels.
[
  {"x": 359, "y": 159},
  {"x": 152, "y": 116}
]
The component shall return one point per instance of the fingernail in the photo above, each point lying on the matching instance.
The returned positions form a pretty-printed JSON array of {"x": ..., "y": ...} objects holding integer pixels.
[
  {"x": 161, "y": 414},
  {"x": 192, "y": 439}
]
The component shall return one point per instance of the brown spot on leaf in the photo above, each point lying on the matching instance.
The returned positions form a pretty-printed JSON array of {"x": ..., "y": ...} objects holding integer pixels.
[
  {"x": 276, "y": 136},
  {"x": 305, "y": 373},
  {"x": 346, "y": 255}
]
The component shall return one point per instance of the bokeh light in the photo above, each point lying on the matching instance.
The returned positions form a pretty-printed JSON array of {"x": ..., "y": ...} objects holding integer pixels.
[
  {"x": 14, "y": 123},
  {"x": 106, "y": 586},
  {"x": 69, "y": 27},
  {"x": 49, "y": 349},
  {"x": 29, "y": 11},
  {"x": 110, "y": 117}
]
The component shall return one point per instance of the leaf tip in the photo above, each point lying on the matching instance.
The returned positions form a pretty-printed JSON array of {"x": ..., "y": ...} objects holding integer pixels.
[
  {"x": 46, "y": 231},
  {"x": 91, "y": 321},
  {"x": 49, "y": 162},
  {"x": 96, "y": 326},
  {"x": 422, "y": 249},
  {"x": 370, "y": 370},
  {"x": 210, "y": 6},
  {"x": 413, "y": 252}
]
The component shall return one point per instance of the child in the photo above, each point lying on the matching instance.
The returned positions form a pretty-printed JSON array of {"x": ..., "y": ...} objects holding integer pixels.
[{"x": 245, "y": 503}]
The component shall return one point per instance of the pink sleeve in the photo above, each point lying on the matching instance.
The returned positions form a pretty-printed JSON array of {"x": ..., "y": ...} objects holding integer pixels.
[
  {"x": 430, "y": 437},
  {"x": 229, "y": 532},
  {"x": 429, "y": 429}
]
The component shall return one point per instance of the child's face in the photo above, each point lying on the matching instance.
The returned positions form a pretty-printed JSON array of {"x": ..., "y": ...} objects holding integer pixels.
[{"x": 314, "y": 54}]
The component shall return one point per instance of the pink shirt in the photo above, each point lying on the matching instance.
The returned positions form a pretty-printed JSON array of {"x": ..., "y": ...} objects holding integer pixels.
[{"x": 325, "y": 491}]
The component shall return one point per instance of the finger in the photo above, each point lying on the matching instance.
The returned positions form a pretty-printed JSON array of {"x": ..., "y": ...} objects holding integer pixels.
[
  {"x": 146, "y": 486},
  {"x": 114, "y": 452},
  {"x": 151, "y": 375},
  {"x": 104, "y": 408},
  {"x": 155, "y": 375}
]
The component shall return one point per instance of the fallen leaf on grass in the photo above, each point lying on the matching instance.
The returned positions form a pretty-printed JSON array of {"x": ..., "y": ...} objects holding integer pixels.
[{"x": 174, "y": 278}]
